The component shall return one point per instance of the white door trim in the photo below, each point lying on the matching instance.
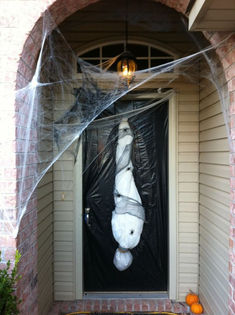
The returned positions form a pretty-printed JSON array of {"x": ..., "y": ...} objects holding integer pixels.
[
  {"x": 173, "y": 209},
  {"x": 173, "y": 200},
  {"x": 78, "y": 222}
]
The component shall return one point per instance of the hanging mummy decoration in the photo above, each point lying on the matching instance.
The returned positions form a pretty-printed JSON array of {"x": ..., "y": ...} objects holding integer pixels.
[{"x": 128, "y": 216}]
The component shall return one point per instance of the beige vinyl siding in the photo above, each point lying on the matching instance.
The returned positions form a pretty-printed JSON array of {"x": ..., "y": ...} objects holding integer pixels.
[
  {"x": 64, "y": 239},
  {"x": 214, "y": 203},
  {"x": 187, "y": 225},
  {"x": 188, "y": 165},
  {"x": 45, "y": 243},
  {"x": 45, "y": 208},
  {"x": 64, "y": 258}
]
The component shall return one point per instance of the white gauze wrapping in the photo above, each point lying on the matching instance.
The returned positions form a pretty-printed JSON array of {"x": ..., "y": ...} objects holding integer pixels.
[{"x": 128, "y": 216}]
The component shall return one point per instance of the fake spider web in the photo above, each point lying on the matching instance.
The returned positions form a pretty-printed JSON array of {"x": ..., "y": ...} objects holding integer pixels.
[{"x": 61, "y": 104}]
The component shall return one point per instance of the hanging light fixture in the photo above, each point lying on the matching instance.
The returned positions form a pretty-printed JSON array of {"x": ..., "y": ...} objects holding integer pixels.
[
  {"x": 126, "y": 66},
  {"x": 126, "y": 62}
]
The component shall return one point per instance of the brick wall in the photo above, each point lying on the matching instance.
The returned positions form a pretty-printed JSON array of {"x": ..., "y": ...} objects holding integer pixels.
[{"x": 20, "y": 29}]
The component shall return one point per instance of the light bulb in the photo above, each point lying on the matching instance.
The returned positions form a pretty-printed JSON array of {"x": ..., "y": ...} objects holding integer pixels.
[{"x": 125, "y": 71}]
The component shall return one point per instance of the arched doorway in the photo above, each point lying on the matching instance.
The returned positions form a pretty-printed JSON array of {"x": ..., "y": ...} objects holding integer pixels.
[
  {"x": 188, "y": 193},
  {"x": 56, "y": 6}
]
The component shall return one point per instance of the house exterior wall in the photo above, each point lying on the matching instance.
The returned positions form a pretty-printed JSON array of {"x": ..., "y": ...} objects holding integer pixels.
[
  {"x": 20, "y": 42},
  {"x": 45, "y": 243},
  {"x": 188, "y": 159},
  {"x": 227, "y": 57},
  {"x": 64, "y": 217},
  {"x": 214, "y": 203},
  {"x": 64, "y": 233}
]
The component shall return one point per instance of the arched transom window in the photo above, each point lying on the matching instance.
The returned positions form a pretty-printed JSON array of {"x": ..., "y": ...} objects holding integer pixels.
[{"x": 147, "y": 55}]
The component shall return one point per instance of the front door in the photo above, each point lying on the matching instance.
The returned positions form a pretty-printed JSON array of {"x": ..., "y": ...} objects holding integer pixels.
[{"x": 149, "y": 269}]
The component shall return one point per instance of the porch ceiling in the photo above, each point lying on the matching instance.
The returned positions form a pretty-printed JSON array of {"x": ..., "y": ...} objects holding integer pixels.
[
  {"x": 212, "y": 15},
  {"x": 105, "y": 21}
]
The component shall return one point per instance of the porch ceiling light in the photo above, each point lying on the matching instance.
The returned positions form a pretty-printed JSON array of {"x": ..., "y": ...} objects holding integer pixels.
[
  {"x": 126, "y": 66},
  {"x": 126, "y": 62}
]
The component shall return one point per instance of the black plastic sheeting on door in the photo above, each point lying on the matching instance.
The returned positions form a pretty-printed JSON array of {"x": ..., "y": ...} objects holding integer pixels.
[{"x": 148, "y": 271}]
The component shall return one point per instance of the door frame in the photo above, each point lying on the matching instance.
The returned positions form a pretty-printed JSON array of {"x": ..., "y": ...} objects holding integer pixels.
[{"x": 172, "y": 215}]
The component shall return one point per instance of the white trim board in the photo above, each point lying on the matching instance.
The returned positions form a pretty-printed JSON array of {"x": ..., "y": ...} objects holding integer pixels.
[
  {"x": 173, "y": 200},
  {"x": 78, "y": 215}
]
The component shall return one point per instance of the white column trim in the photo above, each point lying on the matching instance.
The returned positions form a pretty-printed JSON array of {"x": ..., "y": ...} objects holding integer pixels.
[
  {"x": 173, "y": 198},
  {"x": 78, "y": 222}
]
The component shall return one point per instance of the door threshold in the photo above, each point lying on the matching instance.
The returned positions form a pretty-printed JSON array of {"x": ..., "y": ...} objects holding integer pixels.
[{"x": 126, "y": 295}]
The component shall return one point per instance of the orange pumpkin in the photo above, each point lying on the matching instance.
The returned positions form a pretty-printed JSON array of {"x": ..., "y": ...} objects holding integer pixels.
[
  {"x": 191, "y": 298},
  {"x": 196, "y": 308}
]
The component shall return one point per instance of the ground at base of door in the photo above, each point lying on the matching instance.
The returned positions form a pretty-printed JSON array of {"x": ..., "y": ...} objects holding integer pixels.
[{"x": 124, "y": 306}]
